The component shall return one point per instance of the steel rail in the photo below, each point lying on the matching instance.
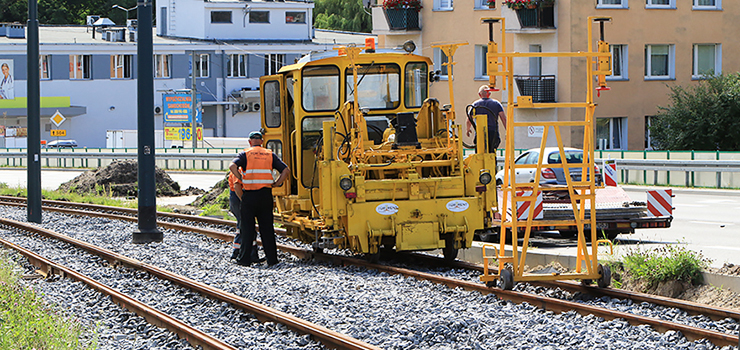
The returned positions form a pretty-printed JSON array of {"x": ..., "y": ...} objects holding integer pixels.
[
  {"x": 717, "y": 338},
  {"x": 193, "y": 336},
  {"x": 263, "y": 313}
]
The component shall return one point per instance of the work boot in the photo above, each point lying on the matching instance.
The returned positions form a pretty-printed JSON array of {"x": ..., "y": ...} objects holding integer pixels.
[{"x": 255, "y": 256}]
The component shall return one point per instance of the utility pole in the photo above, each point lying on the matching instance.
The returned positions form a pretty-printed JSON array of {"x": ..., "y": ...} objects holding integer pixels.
[
  {"x": 33, "y": 109},
  {"x": 147, "y": 219},
  {"x": 193, "y": 111}
]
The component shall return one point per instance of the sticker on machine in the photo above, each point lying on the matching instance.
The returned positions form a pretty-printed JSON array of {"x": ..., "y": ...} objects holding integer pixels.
[
  {"x": 457, "y": 205},
  {"x": 386, "y": 209}
]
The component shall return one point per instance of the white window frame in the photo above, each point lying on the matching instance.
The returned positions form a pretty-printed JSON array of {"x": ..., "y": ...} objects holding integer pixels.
[
  {"x": 122, "y": 66},
  {"x": 162, "y": 60},
  {"x": 483, "y": 5},
  {"x": 695, "y": 61},
  {"x": 273, "y": 63},
  {"x": 438, "y": 54},
  {"x": 201, "y": 66},
  {"x": 443, "y": 5},
  {"x": 85, "y": 63},
  {"x": 623, "y": 65},
  {"x": 648, "y": 138},
  {"x": 481, "y": 62},
  {"x": 622, "y": 5},
  {"x": 621, "y": 134},
  {"x": 671, "y": 62},
  {"x": 696, "y": 6},
  {"x": 234, "y": 69},
  {"x": 45, "y": 67},
  {"x": 649, "y": 5}
]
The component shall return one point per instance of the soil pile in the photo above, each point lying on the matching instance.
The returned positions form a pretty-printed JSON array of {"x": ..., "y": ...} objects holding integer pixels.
[
  {"x": 214, "y": 196},
  {"x": 120, "y": 179}
]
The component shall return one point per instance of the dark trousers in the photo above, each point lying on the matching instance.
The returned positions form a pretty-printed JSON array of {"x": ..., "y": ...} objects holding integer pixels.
[
  {"x": 493, "y": 140},
  {"x": 258, "y": 204}
]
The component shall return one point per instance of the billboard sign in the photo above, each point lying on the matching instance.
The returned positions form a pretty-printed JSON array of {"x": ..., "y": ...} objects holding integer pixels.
[
  {"x": 7, "y": 85},
  {"x": 181, "y": 134},
  {"x": 176, "y": 108}
]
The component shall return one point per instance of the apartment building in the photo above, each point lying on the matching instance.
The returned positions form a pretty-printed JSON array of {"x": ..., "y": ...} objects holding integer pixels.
[
  {"x": 655, "y": 44},
  {"x": 89, "y": 73}
]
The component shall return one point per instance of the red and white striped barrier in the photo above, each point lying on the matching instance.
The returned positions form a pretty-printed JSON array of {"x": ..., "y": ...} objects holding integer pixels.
[
  {"x": 610, "y": 172},
  {"x": 522, "y": 208},
  {"x": 660, "y": 202}
]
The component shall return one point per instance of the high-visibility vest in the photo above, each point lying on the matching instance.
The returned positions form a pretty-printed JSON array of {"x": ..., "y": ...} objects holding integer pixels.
[
  {"x": 233, "y": 179},
  {"x": 259, "y": 169}
]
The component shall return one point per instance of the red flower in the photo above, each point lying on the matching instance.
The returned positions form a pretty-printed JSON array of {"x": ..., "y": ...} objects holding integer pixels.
[{"x": 402, "y": 4}]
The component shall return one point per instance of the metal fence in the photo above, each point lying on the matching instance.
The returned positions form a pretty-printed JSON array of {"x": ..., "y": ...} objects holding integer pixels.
[{"x": 677, "y": 168}]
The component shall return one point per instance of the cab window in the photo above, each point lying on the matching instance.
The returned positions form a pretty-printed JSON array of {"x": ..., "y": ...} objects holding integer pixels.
[
  {"x": 320, "y": 88},
  {"x": 378, "y": 84},
  {"x": 272, "y": 104},
  {"x": 415, "y": 84}
]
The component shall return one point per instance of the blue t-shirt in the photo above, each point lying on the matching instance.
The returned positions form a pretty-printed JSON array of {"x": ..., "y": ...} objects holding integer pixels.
[{"x": 494, "y": 106}]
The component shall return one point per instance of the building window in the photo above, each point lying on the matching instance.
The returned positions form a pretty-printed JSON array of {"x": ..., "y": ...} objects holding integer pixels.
[
  {"x": 707, "y": 5},
  {"x": 620, "y": 4},
  {"x": 80, "y": 67},
  {"x": 439, "y": 59},
  {"x": 121, "y": 66},
  {"x": 483, "y": 5},
  {"x": 162, "y": 66},
  {"x": 706, "y": 60},
  {"x": 201, "y": 65},
  {"x": 295, "y": 17},
  {"x": 611, "y": 133},
  {"x": 259, "y": 16},
  {"x": 660, "y": 4},
  {"x": 481, "y": 61},
  {"x": 220, "y": 16},
  {"x": 648, "y": 140},
  {"x": 619, "y": 63},
  {"x": 443, "y": 5},
  {"x": 237, "y": 66},
  {"x": 659, "y": 62},
  {"x": 44, "y": 66},
  {"x": 273, "y": 63}
]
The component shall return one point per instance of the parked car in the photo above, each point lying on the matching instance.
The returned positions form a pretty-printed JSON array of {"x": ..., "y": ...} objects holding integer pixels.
[
  {"x": 549, "y": 176},
  {"x": 62, "y": 144}
]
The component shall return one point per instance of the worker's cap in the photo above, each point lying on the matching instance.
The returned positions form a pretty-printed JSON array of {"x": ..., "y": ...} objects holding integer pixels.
[
  {"x": 255, "y": 135},
  {"x": 484, "y": 88}
]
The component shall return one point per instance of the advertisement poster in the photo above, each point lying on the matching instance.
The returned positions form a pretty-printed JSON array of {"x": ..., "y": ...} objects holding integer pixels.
[
  {"x": 181, "y": 134},
  {"x": 7, "y": 87},
  {"x": 176, "y": 108},
  {"x": 2, "y": 130}
]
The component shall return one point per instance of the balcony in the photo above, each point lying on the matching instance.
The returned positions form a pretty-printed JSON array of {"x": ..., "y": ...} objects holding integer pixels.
[
  {"x": 395, "y": 21},
  {"x": 541, "y": 17},
  {"x": 540, "y": 87}
]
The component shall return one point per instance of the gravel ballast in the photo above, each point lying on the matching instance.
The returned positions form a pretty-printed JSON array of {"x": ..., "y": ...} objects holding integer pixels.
[{"x": 392, "y": 312}]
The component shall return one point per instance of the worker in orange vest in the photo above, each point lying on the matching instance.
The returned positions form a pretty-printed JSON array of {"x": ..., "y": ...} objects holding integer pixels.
[
  {"x": 235, "y": 193},
  {"x": 256, "y": 198}
]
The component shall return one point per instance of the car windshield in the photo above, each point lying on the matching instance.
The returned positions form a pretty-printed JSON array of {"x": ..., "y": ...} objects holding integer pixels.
[{"x": 570, "y": 157}]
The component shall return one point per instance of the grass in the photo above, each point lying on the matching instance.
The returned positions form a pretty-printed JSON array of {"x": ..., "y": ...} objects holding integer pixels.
[
  {"x": 100, "y": 199},
  {"x": 27, "y": 323},
  {"x": 670, "y": 262}
]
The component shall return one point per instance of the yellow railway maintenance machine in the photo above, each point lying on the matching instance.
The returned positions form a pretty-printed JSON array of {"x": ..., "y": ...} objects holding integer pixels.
[
  {"x": 517, "y": 196},
  {"x": 374, "y": 162}
]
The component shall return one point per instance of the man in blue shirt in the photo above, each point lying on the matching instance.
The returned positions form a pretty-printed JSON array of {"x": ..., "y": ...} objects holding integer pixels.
[{"x": 493, "y": 109}]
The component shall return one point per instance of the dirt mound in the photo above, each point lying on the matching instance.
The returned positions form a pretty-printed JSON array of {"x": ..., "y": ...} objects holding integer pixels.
[
  {"x": 119, "y": 179},
  {"x": 728, "y": 269},
  {"x": 215, "y": 195}
]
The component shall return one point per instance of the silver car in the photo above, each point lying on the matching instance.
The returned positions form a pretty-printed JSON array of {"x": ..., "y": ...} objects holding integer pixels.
[{"x": 549, "y": 176}]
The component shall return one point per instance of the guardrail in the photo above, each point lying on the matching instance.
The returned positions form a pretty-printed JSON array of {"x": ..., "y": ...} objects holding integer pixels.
[{"x": 639, "y": 171}]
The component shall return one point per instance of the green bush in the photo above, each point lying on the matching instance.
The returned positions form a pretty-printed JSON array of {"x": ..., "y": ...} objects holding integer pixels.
[
  {"x": 27, "y": 323},
  {"x": 671, "y": 262}
]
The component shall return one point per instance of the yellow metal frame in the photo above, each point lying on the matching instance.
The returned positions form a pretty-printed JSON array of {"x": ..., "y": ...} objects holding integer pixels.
[{"x": 582, "y": 193}]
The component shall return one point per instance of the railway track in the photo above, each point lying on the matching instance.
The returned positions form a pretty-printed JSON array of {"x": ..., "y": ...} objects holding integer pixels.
[{"x": 546, "y": 303}]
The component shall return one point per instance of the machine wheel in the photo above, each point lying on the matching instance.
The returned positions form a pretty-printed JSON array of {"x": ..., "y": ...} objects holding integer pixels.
[
  {"x": 491, "y": 284},
  {"x": 586, "y": 282},
  {"x": 372, "y": 258},
  {"x": 449, "y": 251},
  {"x": 506, "y": 280},
  {"x": 606, "y": 276},
  {"x": 567, "y": 233}
]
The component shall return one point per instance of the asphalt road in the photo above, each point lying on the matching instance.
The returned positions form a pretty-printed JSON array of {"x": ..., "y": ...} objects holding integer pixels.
[{"x": 704, "y": 220}]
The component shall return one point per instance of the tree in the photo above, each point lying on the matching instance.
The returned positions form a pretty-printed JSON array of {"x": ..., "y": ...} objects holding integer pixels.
[
  {"x": 703, "y": 117},
  {"x": 346, "y": 15}
]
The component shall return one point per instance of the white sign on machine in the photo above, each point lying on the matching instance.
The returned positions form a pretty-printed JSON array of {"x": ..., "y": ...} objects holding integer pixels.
[{"x": 535, "y": 131}]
